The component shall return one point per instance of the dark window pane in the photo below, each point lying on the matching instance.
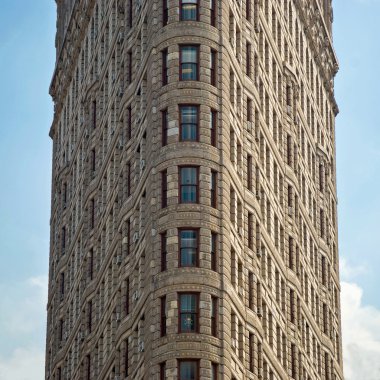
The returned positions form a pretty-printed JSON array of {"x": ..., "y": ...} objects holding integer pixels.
[
  {"x": 188, "y": 248},
  {"x": 189, "y": 10},
  {"x": 188, "y": 312},
  {"x": 189, "y": 63},
  {"x": 189, "y": 185},
  {"x": 189, "y": 123}
]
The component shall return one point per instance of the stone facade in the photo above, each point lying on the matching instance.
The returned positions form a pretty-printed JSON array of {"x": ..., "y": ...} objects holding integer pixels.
[{"x": 230, "y": 272}]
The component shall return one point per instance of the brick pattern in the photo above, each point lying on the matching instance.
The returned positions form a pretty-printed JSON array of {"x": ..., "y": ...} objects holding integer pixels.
[{"x": 276, "y": 275}]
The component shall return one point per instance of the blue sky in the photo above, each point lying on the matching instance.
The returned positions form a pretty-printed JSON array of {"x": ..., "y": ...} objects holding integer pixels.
[{"x": 27, "y": 57}]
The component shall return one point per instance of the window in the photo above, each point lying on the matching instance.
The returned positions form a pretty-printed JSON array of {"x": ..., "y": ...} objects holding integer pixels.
[
  {"x": 63, "y": 241},
  {"x": 213, "y": 127},
  {"x": 127, "y": 297},
  {"x": 94, "y": 114},
  {"x": 130, "y": 18},
  {"x": 189, "y": 62},
  {"x": 129, "y": 179},
  {"x": 214, "y": 200},
  {"x": 165, "y": 13},
  {"x": 188, "y": 184},
  {"x": 93, "y": 162},
  {"x": 188, "y": 248},
  {"x": 249, "y": 173},
  {"x": 164, "y": 121},
  {"x": 188, "y": 313},
  {"x": 214, "y": 313},
  {"x": 248, "y": 61},
  {"x": 189, "y": 10},
  {"x": 62, "y": 285},
  {"x": 165, "y": 69},
  {"x": 163, "y": 251},
  {"x": 91, "y": 265},
  {"x": 214, "y": 371},
  {"x": 213, "y": 66},
  {"x": 189, "y": 116},
  {"x": 248, "y": 10},
  {"x": 213, "y": 12},
  {"x": 89, "y": 316},
  {"x": 164, "y": 188},
  {"x": 129, "y": 130},
  {"x": 214, "y": 245},
  {"x": 88, "y": 367},
  {"x": 126, "y": 358},
  {"x": 64, "y": 196},
  {"x": 163, "y": 316},
  {"x": 250, "y": 230},
  {"x": 129, "y": 67},
  {"x": 162, "y": 370}
]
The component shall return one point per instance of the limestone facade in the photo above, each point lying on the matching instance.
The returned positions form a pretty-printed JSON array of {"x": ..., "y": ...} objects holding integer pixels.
[{"x": 193, "y": 223}]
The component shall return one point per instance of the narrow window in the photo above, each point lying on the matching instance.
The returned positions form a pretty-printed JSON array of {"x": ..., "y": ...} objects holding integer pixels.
[
  {"x": 129, "y": 130},
  {"x": 129, "y": 67},
  {"x": 89, "y": 316},
  {"x": 94, "y": 114},
  {"x": 213, "y": 127},
  {"x": 129, "y": 179},
  {"x": 92, "y": 208},
  {"x": 248, "y": 10},
  {"x": 163, "y": 316},
  {"x": 189, "y": 62},
  {"x": 130, "y": 13},
  {"x": 91, "y": 265},
  {"x": 213, "y": 66},
  {"x": 250, "y": 231},
  {"x": 165, "y": 69},
  {"x": 214, "y": 313},
  {"x": 249, "y": 173},
  {"x": 213, "y": 189},
  {"x": 88, "y": 367},
  {"x": 165, "y": 13},
  {"x": 248, "y": 60},
  {"x": 164, "y": 188},
  {"x": 63, "y": 242},
  {"x": 213, "y": 12},
  {"x": 164, "y": 129},
  {"x": 188, "y": 313},
  {"x": 189, "y": 117},
  {"x": 214, "y": 245},
  {"x": 126, "y": 358},
  {"x": 214, "y": 371},
  {"x": 163, "y": 251},
  {"x": 188, "y": 184},
  {"x": 127, "y": 297},
  {"x": 189, "y": 10},
  {"x": 188, "y": 251},
  {"x": 62, "y": 284},
  {"x": 93, "y": 162},
  {"x": 64, "y": 195}
]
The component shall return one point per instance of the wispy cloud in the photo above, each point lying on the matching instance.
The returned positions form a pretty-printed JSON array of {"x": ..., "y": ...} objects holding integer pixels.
[
  {"x": 22, "y": 329},
  {"x": 361, "y": 332}
]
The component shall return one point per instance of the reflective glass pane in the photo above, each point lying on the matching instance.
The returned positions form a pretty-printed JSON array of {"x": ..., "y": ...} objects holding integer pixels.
[{"x": 188, "y": 371}]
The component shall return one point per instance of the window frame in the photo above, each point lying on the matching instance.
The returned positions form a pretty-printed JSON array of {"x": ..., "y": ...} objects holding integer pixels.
[
  {"x": 213, "y": 127},
  {"x": 181, "y": 3},
  {"x": 213, "y": 67},
  {"x": 197, "y": 47},
  {"x": 214, "y": 316},
  {"x": 213, "y": 4},
  {"x": 183, "y": 105},
  {"x": 196, "y": 330},
  {"x": 180, "y": 185},
  {"x": 164, "y": 188},
  {"x": 164, "y": 127},
  {"x": 214, "y": 189},
  {"x": 165, "y": 68},
  {"x": 165, "y": 13},
  {"x": 164, "y": 252},
  {"x": 180, "y": 230},
  {"x": 213, "y": 251},
  {"x": 163, "y": 316}
]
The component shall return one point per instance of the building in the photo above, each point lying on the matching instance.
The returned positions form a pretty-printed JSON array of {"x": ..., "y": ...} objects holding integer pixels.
[{"x": 193, "y": 224}]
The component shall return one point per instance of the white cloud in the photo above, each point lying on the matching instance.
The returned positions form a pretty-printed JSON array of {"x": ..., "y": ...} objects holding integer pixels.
[
  {"x": 23, "y": 364},
  {"x": 22, "y": 329},
  {"x": 361, "y": 335}
]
